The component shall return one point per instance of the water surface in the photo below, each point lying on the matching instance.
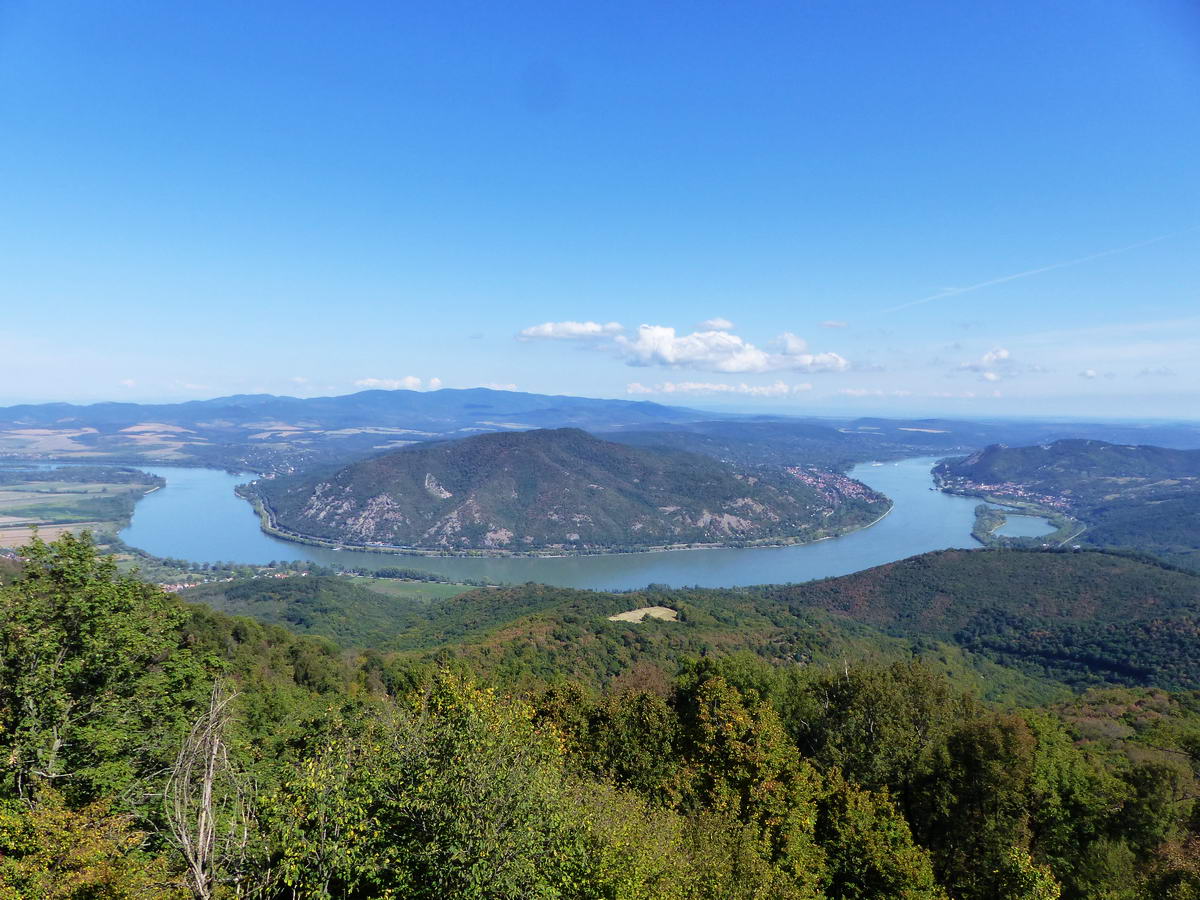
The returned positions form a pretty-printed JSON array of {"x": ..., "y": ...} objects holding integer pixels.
[
  {"x": 1025, "y": 526},
  {"x": 198, "y": 517}
]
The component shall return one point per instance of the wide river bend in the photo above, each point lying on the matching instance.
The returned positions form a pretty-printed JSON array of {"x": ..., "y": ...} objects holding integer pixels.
[{"x": 198, "y": 517}]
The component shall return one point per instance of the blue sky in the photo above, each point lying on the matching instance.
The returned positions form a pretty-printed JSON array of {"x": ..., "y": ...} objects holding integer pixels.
[{"x": 735, "y": 204}]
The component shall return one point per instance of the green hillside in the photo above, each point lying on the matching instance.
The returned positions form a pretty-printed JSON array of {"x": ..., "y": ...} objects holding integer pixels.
[
  {"x": 560, "y": 490},
  {"x": 326, "y": 773},
  {"x": 1131, "y": 496},
  {"x": 1016, "y": 624}
]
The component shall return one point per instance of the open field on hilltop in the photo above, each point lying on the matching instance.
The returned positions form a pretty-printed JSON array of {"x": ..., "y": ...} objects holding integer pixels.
[{"x": 411, "y": 590}]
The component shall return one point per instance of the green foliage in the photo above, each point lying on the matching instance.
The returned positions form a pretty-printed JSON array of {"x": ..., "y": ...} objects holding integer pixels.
[
  {"x": 869, "y": 848},
  {"x": 53, "y": 852},
  {"x": 92, "y": 680},
  {"x": 375, "y": 774},
  {"x": 457, "y": 794}
]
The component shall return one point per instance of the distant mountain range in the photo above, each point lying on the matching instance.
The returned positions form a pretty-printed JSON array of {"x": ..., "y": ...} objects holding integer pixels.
[
  {"x": 1133, "y": 496},
  {"x": 270, "y": 433},
  {"x": 267, "y": 433},
  {"x": 560, "y": 490}
]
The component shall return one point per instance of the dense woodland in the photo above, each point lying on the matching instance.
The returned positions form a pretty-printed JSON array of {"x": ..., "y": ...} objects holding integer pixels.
[
  {"x": 155, "y": 748},
  {"x": 1021, "y": 624}
]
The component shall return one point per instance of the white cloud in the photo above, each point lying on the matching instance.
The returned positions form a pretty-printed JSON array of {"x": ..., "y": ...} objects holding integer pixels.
[
  {"x": 435, "y": 384},
  {"x": 872, "y": 392},
  {"x": 128, "y": 383},
  {"x": 1161, "y": 371},
  {"x": 494, "y": 386},
  {"x": 570, "y": 331},
  {"x": 407, "y": 383},
  {"x": 792, "y": 345},
  {"x": 1088, "y": 373},
  {"x": 778, "y": 389},
  {"x": 992, "y": 366},
  {"x": 713, "y": 349},
  {"x": 720, "y": 351},
  {"x": 834, "y": 323}
]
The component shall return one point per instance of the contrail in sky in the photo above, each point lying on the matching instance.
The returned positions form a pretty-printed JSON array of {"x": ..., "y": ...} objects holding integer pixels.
[{"x": 954, "y": 292}]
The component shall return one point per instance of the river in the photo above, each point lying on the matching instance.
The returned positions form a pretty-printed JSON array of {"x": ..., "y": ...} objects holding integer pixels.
[{"x": 198, "y": 517}]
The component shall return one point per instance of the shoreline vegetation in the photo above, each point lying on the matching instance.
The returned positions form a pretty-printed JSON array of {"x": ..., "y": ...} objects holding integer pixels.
[
  {"x": 269, "y": 525},
  {"x": 992, "y": 514}
]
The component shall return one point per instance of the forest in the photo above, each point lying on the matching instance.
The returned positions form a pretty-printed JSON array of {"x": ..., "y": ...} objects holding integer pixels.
[{"x": 156, "y": 748}]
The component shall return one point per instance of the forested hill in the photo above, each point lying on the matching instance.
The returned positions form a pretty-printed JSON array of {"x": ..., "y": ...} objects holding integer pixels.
[
  {"x": 1015, "y": 624},
  {"x": 1133, "y": 496},
  {"x": 561, "y": 489},
  {"x": 156, "y": 749},
  {"x": 1079, "y": 466},
  {"x": 1075, "y": 618}
]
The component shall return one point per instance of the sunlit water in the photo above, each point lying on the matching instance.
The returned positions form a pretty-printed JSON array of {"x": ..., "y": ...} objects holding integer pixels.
[{"x": 198, "y": 517}]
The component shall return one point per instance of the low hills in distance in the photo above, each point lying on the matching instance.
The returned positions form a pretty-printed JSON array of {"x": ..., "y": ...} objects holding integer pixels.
[
  {"x": 1131, "y": 496},
  {"x": 560, "y": 490}
]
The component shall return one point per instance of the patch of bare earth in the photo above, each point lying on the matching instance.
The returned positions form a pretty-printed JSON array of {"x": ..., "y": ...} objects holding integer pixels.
[{"x": 665, "y": 613}]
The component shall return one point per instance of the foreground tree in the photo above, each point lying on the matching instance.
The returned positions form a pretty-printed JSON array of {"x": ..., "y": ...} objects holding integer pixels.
[{"x": 93, "y": 682}]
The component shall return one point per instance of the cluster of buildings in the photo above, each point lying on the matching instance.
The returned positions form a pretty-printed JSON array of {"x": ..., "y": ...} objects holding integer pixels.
[
  {"x": 177, "y": 586},
  {"x": 1009, "y": 490},
  {"x": 832, "y": 486}
]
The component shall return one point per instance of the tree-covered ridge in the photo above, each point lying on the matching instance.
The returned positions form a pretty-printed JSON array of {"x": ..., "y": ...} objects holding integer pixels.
[
  {"x": 1130, "y": 496},
  {"x": 560, "y": 490},
  {"x": 325, "y": 774},
  {"x": 1012, "y": 624}
]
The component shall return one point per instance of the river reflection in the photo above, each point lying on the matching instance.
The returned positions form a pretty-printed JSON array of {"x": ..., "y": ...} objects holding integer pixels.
[{"x": 198, "y": 517}]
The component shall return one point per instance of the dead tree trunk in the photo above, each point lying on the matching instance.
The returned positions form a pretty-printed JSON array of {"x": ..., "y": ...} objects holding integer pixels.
[{"x": 203, "y": 800}]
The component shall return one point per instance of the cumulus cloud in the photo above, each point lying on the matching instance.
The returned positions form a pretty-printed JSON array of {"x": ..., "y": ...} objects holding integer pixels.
[
  {"x": 1089, "y": 373},
  {"x": 834, "y": 323},
  {"x": 873, "y": 392},
  {"x": 778, "y": 389},
  {"x": 714, "y": 348},
  {"x": 992, "y": 366},
  {"x": 570, "y": 331},
  {"x": 720, "y": 351},
  {"x": 407, "y": 383}
]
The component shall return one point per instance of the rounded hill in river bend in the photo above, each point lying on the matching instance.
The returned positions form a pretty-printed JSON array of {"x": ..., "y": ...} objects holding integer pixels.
[{"x": 560, "y": 490}]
